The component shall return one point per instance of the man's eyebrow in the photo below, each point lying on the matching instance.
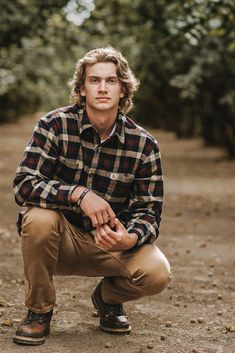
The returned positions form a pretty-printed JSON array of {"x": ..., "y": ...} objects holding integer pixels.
[{"x": 94, "y": 76}]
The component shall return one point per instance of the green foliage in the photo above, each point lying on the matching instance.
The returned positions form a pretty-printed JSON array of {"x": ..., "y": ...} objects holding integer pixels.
[
  {"x": 183, "y": 54},
  {"x": 208, "y": 85},
  {"x": 36, "y": 46}
]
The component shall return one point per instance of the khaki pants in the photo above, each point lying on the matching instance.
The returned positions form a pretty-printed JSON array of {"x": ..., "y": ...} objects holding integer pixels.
[{"x": 53, "y": 246}]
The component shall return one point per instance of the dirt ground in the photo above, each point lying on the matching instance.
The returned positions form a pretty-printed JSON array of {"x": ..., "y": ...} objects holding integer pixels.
[{"x": 194, "y": 314}]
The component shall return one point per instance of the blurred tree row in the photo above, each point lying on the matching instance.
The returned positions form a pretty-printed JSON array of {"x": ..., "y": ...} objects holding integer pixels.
[
  {"x": 184, "y": 56},
  {"x": 182, "y": 52},
  {"x": 36, "y": 45}
]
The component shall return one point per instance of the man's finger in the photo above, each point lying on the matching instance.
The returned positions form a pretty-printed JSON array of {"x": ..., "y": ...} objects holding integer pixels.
[
  {"x": 99, "y": 218},
  {"x": 106, "y": 217},
  {"x": 100, "y": 240},
  {"x": 112, "y": 217},
  {"x": 104, "y": 243},
  {"x": 107, "y": 229},
  {"x": 112, "y": 234},
  {"x": 97, "y": 236},
  {"x": 103, "y": 237},
  {"x": 102, "y": 232},
  {"x": 119, "y": 226},
  {"x": 94, "y": 221}
]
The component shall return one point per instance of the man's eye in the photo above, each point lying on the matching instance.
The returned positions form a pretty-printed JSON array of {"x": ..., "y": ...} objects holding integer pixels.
[
  {"x": 112, "y": 81},
  {"x": 94, "y": 80}
]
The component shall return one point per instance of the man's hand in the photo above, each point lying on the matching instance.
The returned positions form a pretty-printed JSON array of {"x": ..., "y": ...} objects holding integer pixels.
[
  {"x": 118, "y": 239},
  {"x": 97, "y": 209}
]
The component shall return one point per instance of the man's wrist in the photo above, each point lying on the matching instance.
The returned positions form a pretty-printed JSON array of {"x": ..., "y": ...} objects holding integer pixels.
[
  {"x": 133, "y": 239},
  {"x": 76, "y": 194},
  {"x": 83, "y": 194}
]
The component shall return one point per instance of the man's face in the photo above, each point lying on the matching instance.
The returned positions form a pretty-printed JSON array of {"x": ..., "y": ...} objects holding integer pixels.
[{"x": 102, "y": 87}]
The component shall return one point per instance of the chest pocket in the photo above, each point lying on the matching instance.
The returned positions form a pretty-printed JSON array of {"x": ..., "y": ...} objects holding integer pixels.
[
  {"x": 119, "y": 185},
  {"x": 69, "y": 170}
]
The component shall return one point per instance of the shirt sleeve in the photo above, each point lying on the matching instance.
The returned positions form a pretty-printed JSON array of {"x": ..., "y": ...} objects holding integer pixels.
[
  {"x": 33, "y": 182},
  {"x": 143, "y": 215}
]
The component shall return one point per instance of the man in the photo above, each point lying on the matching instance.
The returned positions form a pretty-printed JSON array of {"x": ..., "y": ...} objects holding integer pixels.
[{"x": 92, "y": 181}]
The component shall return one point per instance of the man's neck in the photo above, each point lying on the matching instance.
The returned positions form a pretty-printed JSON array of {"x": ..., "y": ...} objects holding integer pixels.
[{"x": 102, "y": 121}]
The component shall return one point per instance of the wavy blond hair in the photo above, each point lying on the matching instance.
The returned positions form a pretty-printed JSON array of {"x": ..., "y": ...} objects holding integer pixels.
[{"x": 124, "y": 73}]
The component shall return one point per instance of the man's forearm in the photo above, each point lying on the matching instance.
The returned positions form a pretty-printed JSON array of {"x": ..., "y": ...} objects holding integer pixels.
[{"x": 30, "y": 190}]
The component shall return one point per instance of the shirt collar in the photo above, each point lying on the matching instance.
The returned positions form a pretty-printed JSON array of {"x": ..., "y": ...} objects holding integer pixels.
[
  {"x": 120, "y": 127},
  {"x": 85, "y": 124}
]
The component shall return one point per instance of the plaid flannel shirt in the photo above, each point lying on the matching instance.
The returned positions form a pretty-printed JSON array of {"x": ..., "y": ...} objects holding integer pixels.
[{"x": 65, "y": 151}]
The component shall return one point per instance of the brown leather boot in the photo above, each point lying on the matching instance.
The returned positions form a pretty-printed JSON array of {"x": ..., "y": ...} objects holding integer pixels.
[
  {"x": 113, "y": 319},
  {"x": 33, "y": 329}
]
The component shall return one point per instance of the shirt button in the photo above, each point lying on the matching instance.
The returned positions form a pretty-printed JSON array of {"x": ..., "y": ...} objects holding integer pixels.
[{"x": 113, "y": 176}]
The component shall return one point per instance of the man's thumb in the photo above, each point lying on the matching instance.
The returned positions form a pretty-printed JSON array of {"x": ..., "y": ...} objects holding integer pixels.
[{"x": 118, "y": 224}]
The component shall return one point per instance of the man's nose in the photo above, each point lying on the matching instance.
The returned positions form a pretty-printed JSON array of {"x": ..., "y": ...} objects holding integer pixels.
[{"x": 103, "y": 86}]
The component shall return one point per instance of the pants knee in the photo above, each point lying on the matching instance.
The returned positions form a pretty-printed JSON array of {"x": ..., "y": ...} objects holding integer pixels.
[
  {"x": 39, "y": 224},
  {"x": 153, "y": 279},
  {"x": 160, "y": 280}
]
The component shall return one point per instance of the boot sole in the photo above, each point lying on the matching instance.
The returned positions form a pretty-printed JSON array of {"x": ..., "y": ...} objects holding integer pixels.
[
  {"x": 110, "y": 330},
  {"x": 115, "y": 331},
  {"x": 30, "y": 341}
]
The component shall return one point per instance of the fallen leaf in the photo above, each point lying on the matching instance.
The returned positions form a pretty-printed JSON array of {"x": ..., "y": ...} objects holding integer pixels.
[{"x": 7, "y": 322}]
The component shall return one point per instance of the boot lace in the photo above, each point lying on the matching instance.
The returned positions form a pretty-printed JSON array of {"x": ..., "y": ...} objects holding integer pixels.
[{"x": 40, "y": 318}]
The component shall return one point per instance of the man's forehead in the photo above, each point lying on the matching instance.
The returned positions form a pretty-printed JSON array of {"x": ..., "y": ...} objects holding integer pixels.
[{"x": 102, "y": 69}]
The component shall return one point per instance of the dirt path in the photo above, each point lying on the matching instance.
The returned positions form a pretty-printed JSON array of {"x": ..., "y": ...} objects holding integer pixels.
[{"x": 195, "y": 313}]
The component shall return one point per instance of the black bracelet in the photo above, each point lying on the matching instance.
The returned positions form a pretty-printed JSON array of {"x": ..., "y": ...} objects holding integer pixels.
[{"x": 82, "y": 196}]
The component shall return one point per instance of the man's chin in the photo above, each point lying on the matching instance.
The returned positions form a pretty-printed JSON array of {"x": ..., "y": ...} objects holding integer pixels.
[{"x": 103, "y": 106}]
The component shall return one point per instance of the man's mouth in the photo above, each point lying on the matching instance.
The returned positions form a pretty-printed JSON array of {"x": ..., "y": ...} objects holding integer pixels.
[{"x": 102, "y": 98}]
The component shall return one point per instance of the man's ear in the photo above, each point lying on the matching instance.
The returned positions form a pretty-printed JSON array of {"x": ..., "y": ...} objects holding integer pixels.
[
  {"x": 123, "y": 92},
  {"x": 82, "y": 92}
]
